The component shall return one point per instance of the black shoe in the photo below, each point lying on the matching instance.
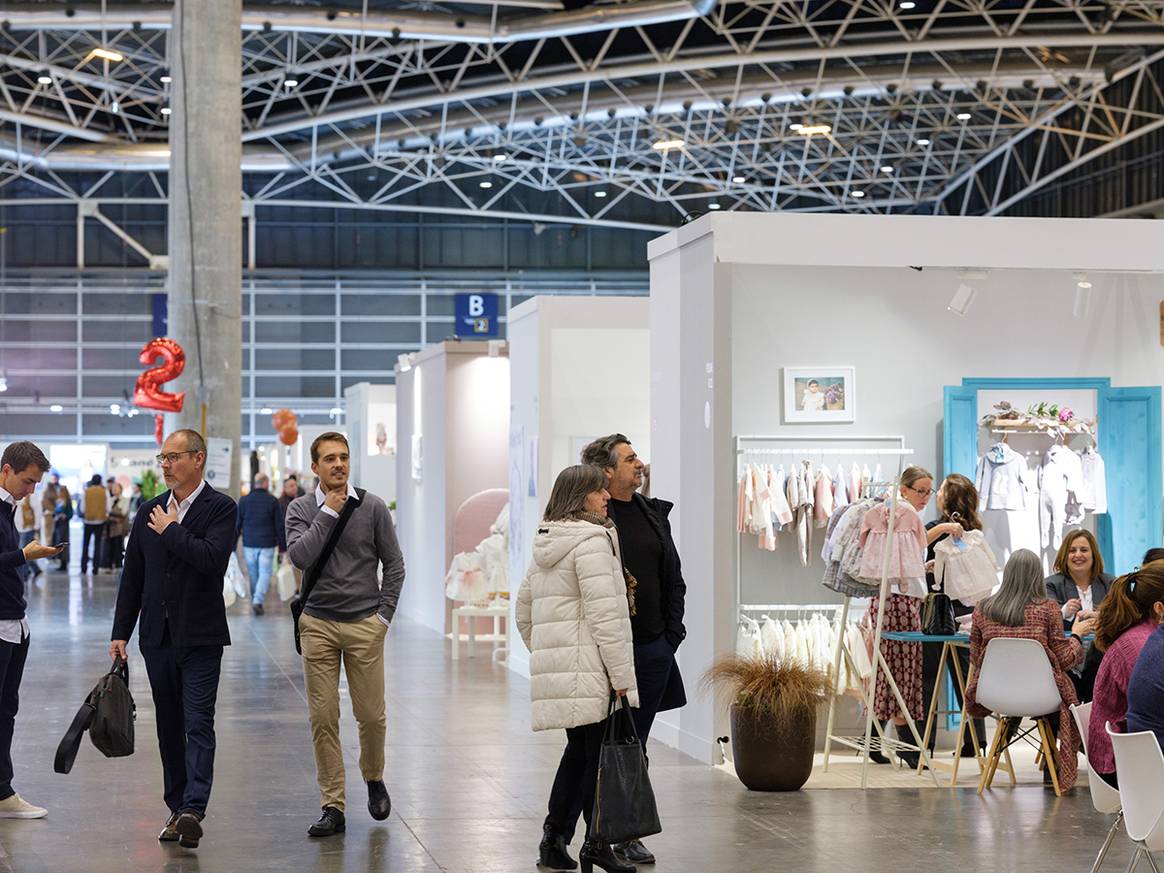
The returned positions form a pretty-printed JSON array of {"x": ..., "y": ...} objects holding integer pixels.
[
  {"x": 169, "y": 833},
  {"x": 600, "y": 855},
  {"x": 379, "y": 803},
  {"x": 189, "y": 828},
  {"x": 877, "y": 758},
  {"x": 910, "y": 759},
  {"x": 330, "y": 822},
  {"x": 634, "y": 851},
  {"x": 257, "y": 608},
  {"x": 552, "y": 854}
]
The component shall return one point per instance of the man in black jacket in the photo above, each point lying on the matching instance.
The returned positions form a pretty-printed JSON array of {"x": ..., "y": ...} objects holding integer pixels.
[
  {"x": 260, "y": 522},
  {"x": 649, "y": 554},
  {"x": 22, "y": 467},
  {"x": 173, "y": 577}
]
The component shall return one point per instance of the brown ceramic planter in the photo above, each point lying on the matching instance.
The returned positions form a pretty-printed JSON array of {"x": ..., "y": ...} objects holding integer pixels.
[{"x": 773, "y": 756}]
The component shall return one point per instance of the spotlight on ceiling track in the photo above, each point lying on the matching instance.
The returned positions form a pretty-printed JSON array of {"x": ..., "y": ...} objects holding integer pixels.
[
  {"x": 106, "y": 54},
  {"x": 962, "y": 300},
  {"x": 665, "y": 145},
  {"x": 44, "y": 80},
  {"x": 290, "y": 84}
]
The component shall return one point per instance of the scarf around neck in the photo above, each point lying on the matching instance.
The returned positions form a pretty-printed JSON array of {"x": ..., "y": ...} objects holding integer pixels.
[{"x": 604, "y": 521}]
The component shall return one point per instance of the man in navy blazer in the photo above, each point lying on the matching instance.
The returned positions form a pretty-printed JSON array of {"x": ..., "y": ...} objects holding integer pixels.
[{"x": 172, "y": 577}]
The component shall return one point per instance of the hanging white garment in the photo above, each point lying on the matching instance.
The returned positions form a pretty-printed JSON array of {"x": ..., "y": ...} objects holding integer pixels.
[
  {"x": 789, "y": 639},
  {"x": 1094, "y": 497},
  {"x": 1060, "y": 483},
  {"x": 965, "y": 568},
  {"x": 855, "y": 490},
  {"x": 748, "y": 644},
  {"x": 840, "y": 491},
  {"x": 1002, "y": 479},
  {"x": 772, "y": 637},
  {"x": 781, "y": 511}
]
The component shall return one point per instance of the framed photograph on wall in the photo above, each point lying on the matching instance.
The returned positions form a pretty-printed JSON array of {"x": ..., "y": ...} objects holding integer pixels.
[{"x": 820, "y": 395}]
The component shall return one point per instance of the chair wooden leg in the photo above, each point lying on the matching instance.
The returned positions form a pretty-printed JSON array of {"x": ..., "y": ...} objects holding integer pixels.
[
  {"x": 989, "y": 760},
  {"x": 1049, "y": 754},
  {"x": 1003, "y": 748},
  {"x": 1107, "y": 843},
  {"x": 1135, "y": 860},
  {"x": 1151, "y": 861}
]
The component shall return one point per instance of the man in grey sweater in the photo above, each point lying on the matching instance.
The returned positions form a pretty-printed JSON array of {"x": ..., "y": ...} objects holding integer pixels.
[{"x": 347, "y": 614}]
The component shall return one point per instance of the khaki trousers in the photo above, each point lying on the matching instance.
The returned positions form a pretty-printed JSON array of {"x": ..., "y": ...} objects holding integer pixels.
[{"x": 361, "y": 645}]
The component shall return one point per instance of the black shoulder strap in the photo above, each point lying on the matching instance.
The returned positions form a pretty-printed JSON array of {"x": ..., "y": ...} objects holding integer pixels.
[
  {"x": 312, "y": 575},
  {"x": 71, "y": 742}
]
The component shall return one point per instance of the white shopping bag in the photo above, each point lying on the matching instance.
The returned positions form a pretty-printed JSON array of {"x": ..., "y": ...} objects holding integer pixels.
[
  {"x": 228, "y": 595},
  {"x": 285, "y": 580},
  {"x": 238, "y": 579}
]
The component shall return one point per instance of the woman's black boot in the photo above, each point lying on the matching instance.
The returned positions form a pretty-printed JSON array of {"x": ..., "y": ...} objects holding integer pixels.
[
  {"x": 600, "y": 855},
  {"x": 552, "y": 853},
  {"x": 908, "y": 758}
]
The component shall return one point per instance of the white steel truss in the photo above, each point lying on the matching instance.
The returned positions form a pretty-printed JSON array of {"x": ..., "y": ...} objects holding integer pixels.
[{"x": 528, "y": 111}]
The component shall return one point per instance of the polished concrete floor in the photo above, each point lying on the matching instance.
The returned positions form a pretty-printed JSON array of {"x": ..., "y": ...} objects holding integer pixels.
[{"x": 468, "y": 779}]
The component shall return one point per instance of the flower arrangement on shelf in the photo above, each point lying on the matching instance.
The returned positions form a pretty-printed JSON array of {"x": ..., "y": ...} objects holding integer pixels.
[{"x": 1043, "y": 417}]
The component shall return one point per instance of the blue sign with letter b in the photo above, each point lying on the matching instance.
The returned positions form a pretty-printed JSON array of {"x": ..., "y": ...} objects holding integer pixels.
[{"x": 477, "y": 316}]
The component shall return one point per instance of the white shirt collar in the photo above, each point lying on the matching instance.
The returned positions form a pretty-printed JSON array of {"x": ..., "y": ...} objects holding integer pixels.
[
  {"x": 189, "y": 501},
  {"x": 320, "y": 496},
  {"x": 5, "y": 497}
]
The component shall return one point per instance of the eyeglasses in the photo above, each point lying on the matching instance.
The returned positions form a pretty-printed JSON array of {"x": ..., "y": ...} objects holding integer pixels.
[
  {"x": 171, "y": 457},
  {"x": 926, "y": 493}
]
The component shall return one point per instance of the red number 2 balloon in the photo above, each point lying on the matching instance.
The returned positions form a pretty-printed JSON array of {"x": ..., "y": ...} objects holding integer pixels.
[{"x": 147, "y": 393}]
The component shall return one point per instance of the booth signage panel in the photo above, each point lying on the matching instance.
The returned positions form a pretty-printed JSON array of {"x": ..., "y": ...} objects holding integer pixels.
[{"x": 477, "y": 316}]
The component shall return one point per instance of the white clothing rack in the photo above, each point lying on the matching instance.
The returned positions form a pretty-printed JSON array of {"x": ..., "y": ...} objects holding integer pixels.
[{"x": 863, "y": 744}]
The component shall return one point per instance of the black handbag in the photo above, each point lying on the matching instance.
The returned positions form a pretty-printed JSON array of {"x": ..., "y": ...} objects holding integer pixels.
[
  {"x": 624, "y": 804},
  {"x": 312, "y": 575},
  {"x": 937, "y": 613},
  {"x": 108, "y": 713}
]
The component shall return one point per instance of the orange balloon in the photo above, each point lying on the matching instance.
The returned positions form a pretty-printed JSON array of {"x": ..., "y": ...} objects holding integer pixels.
[
  {"x": 283, "y": 418},
  {"x": 289, "y": 435}
]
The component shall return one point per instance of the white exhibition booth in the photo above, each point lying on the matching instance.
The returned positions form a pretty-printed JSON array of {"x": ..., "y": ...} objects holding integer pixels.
[
  {"x": 452, "y": 431},
  {"x": 737, "y": 298},
  {"x": 579, "y": 370},
  {"x": 371, "y": 429}
]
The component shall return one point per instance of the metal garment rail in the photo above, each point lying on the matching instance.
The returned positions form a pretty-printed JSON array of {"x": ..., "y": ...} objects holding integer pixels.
[{"x": 862, "y": 744}]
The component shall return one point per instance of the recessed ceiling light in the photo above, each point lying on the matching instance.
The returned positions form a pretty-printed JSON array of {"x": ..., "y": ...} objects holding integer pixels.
[
  {"x": 665, "y": 145},
  {"x": 111, "y": 55},
  {"x": 44, "y": 80},
  {"x": 739, "y": 180},
  {"x": 166, "y": 110},
  {"x": 887, "y": 169},
  {"x": 907, "y": 5},
  {"x": 713, "y": 206},
  {"x": 858, "y": 194},
  {"x": 811, "y": 129},
  {"x": 115, "y": 107},
  {"x": 487, "y": 184},
  {"x": 796, "y": 125},
  {"x": 923, "y": 142},
  {"x": 56, "y": 407},
  {"x": 500, "y": 156},
  {"x": 166, "y": 80},
  {"x": 599, "y": 194},
  {"x": 963, "y": 116},
  {"x": 290, "y": 83}
]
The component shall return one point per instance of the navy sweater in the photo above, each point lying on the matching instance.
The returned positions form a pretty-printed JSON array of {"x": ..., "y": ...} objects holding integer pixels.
[
  {"x": 260, "y": 520},
  {"x": 1146, "y": 688},
  {"x": 12, "y": 603}
]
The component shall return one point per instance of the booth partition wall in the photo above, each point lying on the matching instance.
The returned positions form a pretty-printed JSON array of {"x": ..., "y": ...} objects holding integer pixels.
[{"x": 70, "y": 341}]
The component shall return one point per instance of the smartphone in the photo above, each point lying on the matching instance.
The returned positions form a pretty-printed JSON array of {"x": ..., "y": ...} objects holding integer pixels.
[{"x": 60, "y": 546}]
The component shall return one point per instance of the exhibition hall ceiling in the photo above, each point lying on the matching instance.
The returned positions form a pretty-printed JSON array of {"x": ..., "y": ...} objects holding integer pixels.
[{"x": 630, "y": 114}]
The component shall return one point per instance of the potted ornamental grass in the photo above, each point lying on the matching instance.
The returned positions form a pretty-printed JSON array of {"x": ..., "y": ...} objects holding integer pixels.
[{"x": 773, "y": 717}]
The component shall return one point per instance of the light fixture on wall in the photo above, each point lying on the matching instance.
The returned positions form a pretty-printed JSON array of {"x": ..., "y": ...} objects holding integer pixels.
[
  {"x": 962, "y": 300},
  {"x": 1082, "y": 295}
]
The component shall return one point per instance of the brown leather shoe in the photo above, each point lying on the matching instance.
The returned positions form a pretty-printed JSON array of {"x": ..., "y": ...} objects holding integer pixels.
[{"x": 169, "y": 833}]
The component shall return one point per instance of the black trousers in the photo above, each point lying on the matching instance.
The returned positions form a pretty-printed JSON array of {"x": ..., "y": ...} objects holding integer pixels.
[
  {"x": 94, "y": 533},
  {"x": 12, "y": 658},
  {"x": 184, "y": 683},
  {"x": 576, "y": 779},
  {"x": 653, "y": 663}
]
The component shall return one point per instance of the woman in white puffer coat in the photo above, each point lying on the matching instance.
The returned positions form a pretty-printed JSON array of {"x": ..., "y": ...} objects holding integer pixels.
[{"x": 573, "y": 613}]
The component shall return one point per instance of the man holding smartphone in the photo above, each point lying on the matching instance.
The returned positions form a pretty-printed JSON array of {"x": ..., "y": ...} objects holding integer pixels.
[{"x": 22, "y": 467}]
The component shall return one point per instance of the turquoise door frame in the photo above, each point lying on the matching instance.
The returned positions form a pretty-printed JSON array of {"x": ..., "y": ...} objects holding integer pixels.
[{"x": 1130, "y": 439}]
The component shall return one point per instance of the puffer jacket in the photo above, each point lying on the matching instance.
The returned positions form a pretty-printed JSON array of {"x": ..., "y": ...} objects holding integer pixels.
[{"x": 572, "y": 614}]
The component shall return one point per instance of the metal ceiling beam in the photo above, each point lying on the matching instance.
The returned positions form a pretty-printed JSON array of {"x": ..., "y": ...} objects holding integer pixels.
[
  {"x": 399, "y": 24},
  {"x": 692, "y": 63}
]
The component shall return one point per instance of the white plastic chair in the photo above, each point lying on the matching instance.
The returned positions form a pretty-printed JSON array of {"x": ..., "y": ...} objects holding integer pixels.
[
  {"x": 1140, "y": 766},
  {"x": 1016, "y": 682},
  {"x": 1104, "y": 798}
]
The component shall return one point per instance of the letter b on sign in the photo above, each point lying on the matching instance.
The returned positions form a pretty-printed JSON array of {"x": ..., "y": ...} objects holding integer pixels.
[
  {"x": 477, "y": 315},
  {"x": 476, "y": 305}
]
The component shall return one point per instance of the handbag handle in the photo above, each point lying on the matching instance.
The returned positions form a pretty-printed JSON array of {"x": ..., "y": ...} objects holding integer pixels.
[
  {"x": 618, "y": 704},
  {"x": 120, "y": 668}
]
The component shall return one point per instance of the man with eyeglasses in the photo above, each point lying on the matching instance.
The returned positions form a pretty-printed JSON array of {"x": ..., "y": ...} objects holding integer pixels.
[{"x": 175, "y": 561}]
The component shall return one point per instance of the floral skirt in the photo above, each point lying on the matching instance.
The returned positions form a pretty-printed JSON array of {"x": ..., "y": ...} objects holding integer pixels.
[{"x": 904, "y": 659}]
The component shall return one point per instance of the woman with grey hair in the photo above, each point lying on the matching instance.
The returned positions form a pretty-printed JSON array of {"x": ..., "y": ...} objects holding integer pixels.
[
  {"x": 1021, "y": 609},
  {"x": 573, "y": 613}
]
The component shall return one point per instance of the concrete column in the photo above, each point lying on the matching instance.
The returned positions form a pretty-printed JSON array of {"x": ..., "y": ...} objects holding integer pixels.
[{"x": 205, "y": 281}]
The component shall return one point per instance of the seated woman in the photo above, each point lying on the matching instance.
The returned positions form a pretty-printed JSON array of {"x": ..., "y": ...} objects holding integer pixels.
[
  {"x": 1080, "y": 585},
  {"x": 1133, "y": 609},
  {"x": 1021, "y": 609}
]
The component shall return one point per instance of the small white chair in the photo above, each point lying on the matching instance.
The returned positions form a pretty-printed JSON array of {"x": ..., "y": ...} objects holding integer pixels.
[
  {"x": 1140, "y": 766},
  {"x": 1016, "y": 682},
  {"x": 1104, "y": 798}
]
